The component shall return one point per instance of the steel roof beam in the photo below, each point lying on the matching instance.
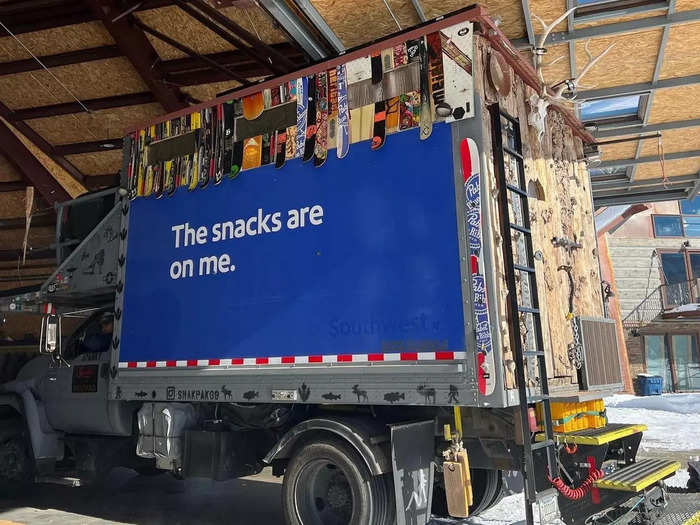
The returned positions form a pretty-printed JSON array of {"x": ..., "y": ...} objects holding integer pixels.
[
  {"x": 297, "y": 30},
  {"x": 604, "y": 185},
  {"x": 95, "y": 104},
  {"x": 135, "y": 46},
  {"x": 641, "y": 87},
  {"x": 627, "y": 191},
  {"x": 635, "y": 130},
  {"x": 94, "y": 146},
  {"x": 15, "y": 185},
  {"x": 60, "y": 59},
  {"x": 30, "y": 168},
  {"x": 93, "y": 182},
  {"x": 643, "y": 160},
  {"x": 561, "y": 37}
]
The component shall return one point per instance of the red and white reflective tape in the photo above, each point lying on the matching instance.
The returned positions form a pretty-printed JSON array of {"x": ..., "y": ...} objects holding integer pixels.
[
  {"x": 298, "y": 360},
  {"x": 48, "y": 308}
]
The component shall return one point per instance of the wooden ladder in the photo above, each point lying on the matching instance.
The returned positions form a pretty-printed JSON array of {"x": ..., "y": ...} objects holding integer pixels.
[{"x": 514, "y": 229}]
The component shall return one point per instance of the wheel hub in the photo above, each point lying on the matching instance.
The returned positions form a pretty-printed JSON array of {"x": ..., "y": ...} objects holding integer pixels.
[{"x": 338, "y": 495}]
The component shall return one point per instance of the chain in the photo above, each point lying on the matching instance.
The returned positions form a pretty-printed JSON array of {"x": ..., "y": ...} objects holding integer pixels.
[{"x": 575, "y": 348}]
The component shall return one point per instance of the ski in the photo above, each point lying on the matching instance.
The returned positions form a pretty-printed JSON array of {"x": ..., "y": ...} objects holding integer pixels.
[
  {"x": 321, "y": 146},
  {"x": 265, "y": 149},
  {"x": 229, "y": 116},
  {"x": 158, "y": 168},
  {"x": 135, "y": 149},
  {"x": 379, "y": 131},
  {"x": 292, "y": 130},
  {"x": 469, "y": 156},
  {"x": 204, "y": 150},
  {"x": 376, "y": 64},
  {"x": 194, "y": 179},
  {"x": 302, "y": 113},
  {"x": 169, "y": 165},
  {"x": 281, "y": 135},
  {"x": 218, "y": 148},
  {"x": 310, "y": 121},
  {"x": 457, "y": 45},
  {"x": 188, "y": 164},
  {"x": 343, "y": 134},
  {"x": 426, "y": 114},
  {"x": 398, "y": 59},
  {"x": 237, "y": 150}
]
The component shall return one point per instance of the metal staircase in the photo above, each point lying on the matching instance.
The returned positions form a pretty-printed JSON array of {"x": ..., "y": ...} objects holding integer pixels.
[{"x": 515, "y": 229}]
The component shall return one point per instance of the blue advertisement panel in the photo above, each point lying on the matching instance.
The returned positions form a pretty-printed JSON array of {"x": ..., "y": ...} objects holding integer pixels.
[{"x": 359, "y": 256}]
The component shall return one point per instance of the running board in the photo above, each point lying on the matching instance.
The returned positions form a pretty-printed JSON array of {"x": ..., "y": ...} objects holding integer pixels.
[
  {"x": 597, "y": 436},
  {"x": 638, "y": 476}
]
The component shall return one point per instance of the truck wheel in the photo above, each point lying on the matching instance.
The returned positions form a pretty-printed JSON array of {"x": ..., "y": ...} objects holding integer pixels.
[
  {"x": 328, "y": 483},
  {"x": 16, "y": 464}
]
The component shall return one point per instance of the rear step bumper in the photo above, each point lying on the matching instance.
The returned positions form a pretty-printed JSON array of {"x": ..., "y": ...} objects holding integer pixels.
[
  {"x": 598, "y": 436},
  {"x": 638, "y": 476}
]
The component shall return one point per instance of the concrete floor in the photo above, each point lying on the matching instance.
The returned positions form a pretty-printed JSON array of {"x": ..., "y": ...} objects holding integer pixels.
[{"x": 125, "y": 497}]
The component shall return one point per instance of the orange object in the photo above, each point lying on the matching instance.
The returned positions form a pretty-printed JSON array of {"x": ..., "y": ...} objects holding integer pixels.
[
  {"x": 252, "y": 152},
  {"x": 253, "y": 106}
]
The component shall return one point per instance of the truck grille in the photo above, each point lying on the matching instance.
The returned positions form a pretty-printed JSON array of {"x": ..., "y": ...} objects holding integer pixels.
[{"x": 601, "y": 356}]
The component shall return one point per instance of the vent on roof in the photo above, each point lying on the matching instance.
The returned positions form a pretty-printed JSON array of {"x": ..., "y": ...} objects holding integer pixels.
[{"x": 601, "y": 356}]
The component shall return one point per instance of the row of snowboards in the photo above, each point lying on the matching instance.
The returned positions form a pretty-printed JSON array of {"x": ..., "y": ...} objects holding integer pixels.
[{"x": 412, "y": 84}]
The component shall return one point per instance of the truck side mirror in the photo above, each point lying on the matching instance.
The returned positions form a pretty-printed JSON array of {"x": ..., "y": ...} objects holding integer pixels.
[{"x": 50, "y": 341}]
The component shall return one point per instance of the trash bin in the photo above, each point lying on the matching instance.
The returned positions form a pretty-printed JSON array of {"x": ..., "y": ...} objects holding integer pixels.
[{"x": 648, "y": 385}]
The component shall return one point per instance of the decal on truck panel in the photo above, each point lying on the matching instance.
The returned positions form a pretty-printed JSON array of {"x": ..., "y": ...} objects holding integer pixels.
[
  {"x": 84, "y": 379},
  {"x": 472, "y": 193}
]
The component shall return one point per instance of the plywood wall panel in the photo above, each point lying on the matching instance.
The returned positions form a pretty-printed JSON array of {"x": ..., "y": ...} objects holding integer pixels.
[
  {"x": 652, "y": 170},
  {"x": 675, "y": 104},
  {"x": 564, "y": 211},
  {"x": 673, "y": 140},
  {"x": 548, "y": 11},
  {"x": 209, "y": 91},
  {"x": 510, "y": 13},
  {"x": 682, "y": 55},
  {"x": 631, "y": 60},
  {"x": 8, "y": 172},
  {"x": 55, "y": 40},
  {"x": 178, "y": 25},
  {"x": 687, "y": 5},
  {"x": 98, "y": 163},
  {"x": 623, "y": 150},
  {"x": 100, "y": 78},
  {"x": 618, "y": 19},
  {"x": 97, "y": 125}
]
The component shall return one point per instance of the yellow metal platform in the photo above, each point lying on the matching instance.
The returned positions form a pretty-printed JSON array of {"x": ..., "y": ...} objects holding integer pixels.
[
  {"x": 597, "y": 436},
  {"x": 638, "y": 476}
]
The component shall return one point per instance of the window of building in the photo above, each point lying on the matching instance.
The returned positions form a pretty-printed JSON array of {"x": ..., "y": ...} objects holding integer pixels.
[
  {"x": 677, "y": 270},
  {"x": 608, "y": 174},
  {"x": 626, "y": 109},
  {"x": 674, "y": 357},
  {"x": 685, "y": 225},
  {"x": 667, "y": 226}
]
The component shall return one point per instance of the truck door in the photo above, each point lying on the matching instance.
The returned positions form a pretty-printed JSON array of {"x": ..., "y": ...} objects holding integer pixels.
[{"x": 76, "y": 396}]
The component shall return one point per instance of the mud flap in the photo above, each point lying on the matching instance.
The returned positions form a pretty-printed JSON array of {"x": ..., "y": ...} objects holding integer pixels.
[{"x": 412, "y": 460}]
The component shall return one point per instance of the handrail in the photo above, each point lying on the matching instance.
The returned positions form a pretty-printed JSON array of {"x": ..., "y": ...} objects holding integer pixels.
[{"x": 662, "y": 299}]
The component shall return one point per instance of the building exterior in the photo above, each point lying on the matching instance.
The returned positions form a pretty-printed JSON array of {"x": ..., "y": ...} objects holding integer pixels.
[{"x": 651, "y": 256}]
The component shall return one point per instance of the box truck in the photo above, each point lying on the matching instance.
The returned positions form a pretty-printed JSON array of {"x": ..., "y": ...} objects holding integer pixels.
[{"x": 374, "y": 275}]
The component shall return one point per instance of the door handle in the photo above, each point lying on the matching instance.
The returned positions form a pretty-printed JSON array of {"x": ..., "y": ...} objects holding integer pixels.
[{"x": 52, "y": 378}]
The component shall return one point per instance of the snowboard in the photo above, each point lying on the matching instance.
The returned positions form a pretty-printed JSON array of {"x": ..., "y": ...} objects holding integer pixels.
[
  {"x": 205, "y": 147},
  {"x": 237, "y": 149},
  {"x": 437, "y": 76},
  {"x": 310, "y": 142},
  {"x": 302, "y": 110},
  {"x": 469, "y": 156},
  {"x": 376, "y": 67},
  {"x": 343, "y": 134},
  {"x": 426, "y": 114},
  {"x": 148, "y": 181},
  {"x": 409, "y": 103},
  {"x": 253, "y": 106},
  {"x": 229, "y": 115},
  {"x": 321, "y": 146},
  {"x": 194, "y": 179},
  {"x": 332, "y": 108},
  {"x": 219, "y": 145},
  {"x": 379, "y": 128},
  {"x": 457, "y": 47},
  {"x": 134, "y": 139},
  {"x": 281, "y": 134}
]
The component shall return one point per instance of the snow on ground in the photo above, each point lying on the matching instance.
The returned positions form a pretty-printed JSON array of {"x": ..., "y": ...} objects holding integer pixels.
[
  {"x": 673, "y": 419},
  {"x": 674, "y": 425}
]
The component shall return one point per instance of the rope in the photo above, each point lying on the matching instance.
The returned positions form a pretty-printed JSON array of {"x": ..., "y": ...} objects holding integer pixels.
[
  {"x": 579, "y": 415},
  {"x": 662, "y": 161}
]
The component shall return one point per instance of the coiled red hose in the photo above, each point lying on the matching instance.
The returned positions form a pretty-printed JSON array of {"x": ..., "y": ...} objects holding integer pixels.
[{"x": 577, "y": 493}]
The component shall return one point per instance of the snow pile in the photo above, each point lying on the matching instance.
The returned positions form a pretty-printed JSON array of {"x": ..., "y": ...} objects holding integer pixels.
[{"x": 673, "y": 419}]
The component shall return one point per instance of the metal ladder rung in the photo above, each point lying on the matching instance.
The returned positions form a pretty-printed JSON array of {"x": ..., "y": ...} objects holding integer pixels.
[
  {"x": 542, "y": 444},
  {"x": 512, "y": 152},
  {"x": 528, "y": 310},
  {"x": 536, "y": 399},
  {"x": 533, "y": 353},
  {"x": 528, "y": 269},
  {"x": 517, "y": 190},
  {"x": 522, "y": 229}
]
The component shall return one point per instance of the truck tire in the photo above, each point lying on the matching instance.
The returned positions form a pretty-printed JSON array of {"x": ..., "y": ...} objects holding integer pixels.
[
  {"x": 487, "y": 486},
  {"x": 16, "y": 464},
  {"x": 328, "y": 483}
]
